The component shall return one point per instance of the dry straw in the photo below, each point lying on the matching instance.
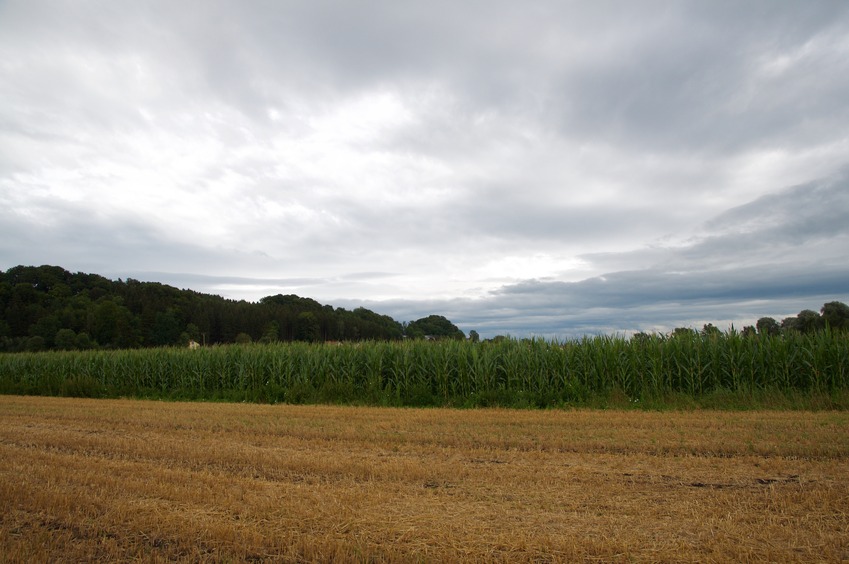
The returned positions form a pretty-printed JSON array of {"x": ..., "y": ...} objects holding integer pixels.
[{"x": 119, "y": 480}]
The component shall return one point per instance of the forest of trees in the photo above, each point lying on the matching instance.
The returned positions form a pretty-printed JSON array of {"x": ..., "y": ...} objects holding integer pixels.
[{"x": 47, "y": 307}]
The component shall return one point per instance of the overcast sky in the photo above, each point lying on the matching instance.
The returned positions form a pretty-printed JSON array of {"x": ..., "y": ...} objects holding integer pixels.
[{"x": 546, "y": 168}]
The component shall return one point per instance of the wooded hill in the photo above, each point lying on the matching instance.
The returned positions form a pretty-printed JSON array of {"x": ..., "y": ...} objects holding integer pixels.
[{"x": 47, "y": 307}]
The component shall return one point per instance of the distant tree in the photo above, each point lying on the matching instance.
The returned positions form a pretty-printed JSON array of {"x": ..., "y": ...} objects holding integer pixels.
[
  {"x": 271, "y": 333},
  {"x": 65, "y": 339},
  {"x": 640, "y": 337},
  {"x": 23, "y": 309},
  {"x": 291, "y": 300},
  {"x": 166, "y": 328},
  {"x": 836, "y": 315},
  {"x": 46, "y": 328},
  {"x": 35, "y": 344},
  {"x": 768, "y": 326},
  {"x": 83, "y": 342},
  {"x": 243, "y": 339},
  {"x": 412, "y": 331},
  {"x": 683, "y": 332},
  {"x": 114, "y": 325},
  {"x": 750, "y": 331},
  {"x": 308, "y": 328},
  {"x": 709, "y": 331},
  {"x": 435, "y": 326},
  {"x": 809, "y": 321},
  {"x": 474, "y": 337},
  {"x": 372, "y": 325},
  {"x": 193, "y": 332},
  {"x": 790, "y": 324}
]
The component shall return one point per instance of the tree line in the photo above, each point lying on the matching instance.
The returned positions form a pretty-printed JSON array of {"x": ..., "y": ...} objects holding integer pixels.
[
  {"x": 50, "y": 308},
  {"x": 833, "y": 316}
]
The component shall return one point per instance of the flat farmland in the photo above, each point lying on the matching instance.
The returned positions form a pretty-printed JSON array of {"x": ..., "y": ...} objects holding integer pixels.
[{"x": 121, "y": 480}]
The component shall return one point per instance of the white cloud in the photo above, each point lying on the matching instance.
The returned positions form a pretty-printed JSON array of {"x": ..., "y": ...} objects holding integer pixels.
[{"x": 461, "y": 150}]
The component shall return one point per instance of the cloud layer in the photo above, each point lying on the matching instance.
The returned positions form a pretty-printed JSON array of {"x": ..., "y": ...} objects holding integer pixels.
[{"x": 549, "y": 168}]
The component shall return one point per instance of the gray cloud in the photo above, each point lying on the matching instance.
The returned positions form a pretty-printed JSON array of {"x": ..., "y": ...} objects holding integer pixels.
[
  {"x": 813, "y": 210},
  {"x": 732, "y": 275},
  {"x": 715, "y": 79},
  {"x": 545, "y": 167}
]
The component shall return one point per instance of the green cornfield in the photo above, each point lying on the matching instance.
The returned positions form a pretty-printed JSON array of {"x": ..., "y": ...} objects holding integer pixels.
[{"x": 519, "y": 373}]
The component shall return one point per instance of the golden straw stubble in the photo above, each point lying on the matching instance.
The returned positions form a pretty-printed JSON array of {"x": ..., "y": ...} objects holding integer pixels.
[{"x": 120, "y": 480}]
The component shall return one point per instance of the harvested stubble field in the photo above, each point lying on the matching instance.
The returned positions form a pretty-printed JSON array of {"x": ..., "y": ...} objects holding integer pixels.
[{"x": 120, "y": 480}]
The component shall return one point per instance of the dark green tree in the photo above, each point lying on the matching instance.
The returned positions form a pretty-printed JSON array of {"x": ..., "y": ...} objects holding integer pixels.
[
  {"x": 683, "y": 332},
  {"x": 65, "y": 339},
  {"x": 809, "y": 321},
  {"x": 307, "y": 328},
  {"x": 435, "y": 326},
  {"x": 790, "y": 324},
  {"x": 83, "y": 342},
  {"x": 193, "y": 333},
  {"x": 836, "y": 315},
  {"x": 166, "y": 328},
  {"x": 768, "y": 326},
  {"x": 46, "y": 328},
  {"x": 710, "y": 331},
  {"x": 113, "y": 325},
  {"x": 271, "y": 333}
]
